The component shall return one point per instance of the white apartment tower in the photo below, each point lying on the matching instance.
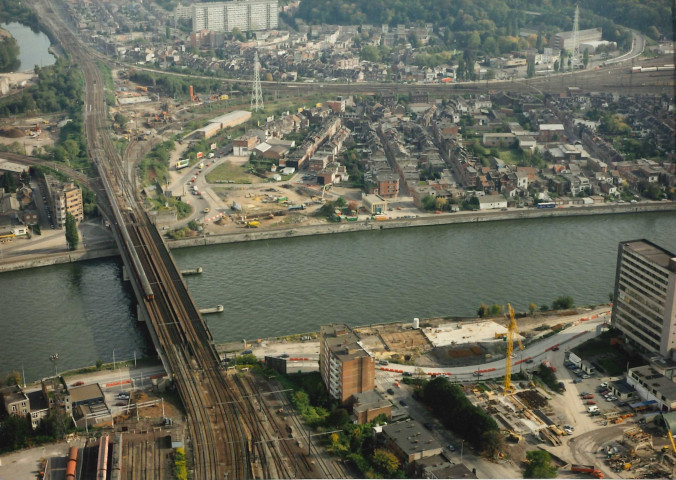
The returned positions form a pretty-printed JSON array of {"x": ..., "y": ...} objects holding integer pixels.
[
  {"x": 644, "y": 309},
  {"x": 246, "y": 15}
]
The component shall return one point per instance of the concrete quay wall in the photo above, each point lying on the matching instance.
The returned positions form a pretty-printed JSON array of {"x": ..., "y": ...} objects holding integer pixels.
[
  {"x": 45, "y": 260},
  {"x": 428, "y": 220}
]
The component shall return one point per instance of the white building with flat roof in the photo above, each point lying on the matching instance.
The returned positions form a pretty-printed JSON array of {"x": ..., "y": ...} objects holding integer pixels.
[{"x": 246, "y": 15}]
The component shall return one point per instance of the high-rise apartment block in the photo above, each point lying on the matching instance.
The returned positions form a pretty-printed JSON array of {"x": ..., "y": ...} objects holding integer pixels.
[
  {"x": 346, "y": 367},
  {"x": 644, "y": 309},
  {"x": 246, "y": 15},
  {"x": 65, "y": 198}
]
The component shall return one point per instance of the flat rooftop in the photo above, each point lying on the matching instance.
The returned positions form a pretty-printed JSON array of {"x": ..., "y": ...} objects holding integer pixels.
[
  {"x": 411, "y": 437},
  {"x": 459, "y": 333},
  {"x": 653, "y": 253},
  {"x": 654, "y": 380},
  {"x": 84, "y": 393},
  {"x": 343, "y": 342}
]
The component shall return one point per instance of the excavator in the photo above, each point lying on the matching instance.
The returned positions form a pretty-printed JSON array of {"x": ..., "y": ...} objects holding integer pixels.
[{"x": 511, "y": 331}]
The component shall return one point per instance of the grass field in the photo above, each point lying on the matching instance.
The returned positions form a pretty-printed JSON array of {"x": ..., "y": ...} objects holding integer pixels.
[
  {"x": 509, "y": 155},
  {"x": 226, "y": 172}
]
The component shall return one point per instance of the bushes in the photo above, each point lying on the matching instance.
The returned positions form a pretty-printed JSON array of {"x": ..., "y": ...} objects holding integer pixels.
[
  {"x": 457, "y": 413},
  {"x": 548, "y": 377},
  {"x": 180, "y": 468}
]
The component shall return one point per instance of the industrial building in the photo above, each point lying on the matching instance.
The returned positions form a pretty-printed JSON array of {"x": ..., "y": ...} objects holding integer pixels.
[
  {"x": 346, "y": 367},
  {"x": 217, "y": 124},
  {"x": 652, "y": 386},
  {"x": 245, "y": 15},
  {"x": 644, "y": 309},
  {"x": 564, "y": 40},
  {"x": 410, "y": 441}
]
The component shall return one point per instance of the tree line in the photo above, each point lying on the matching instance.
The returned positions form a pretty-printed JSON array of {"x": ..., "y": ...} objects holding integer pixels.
[
  {"x": 450, "y": 404},
  {"x": 9, "y": 53},
  {"x": 491, "y": 27}
]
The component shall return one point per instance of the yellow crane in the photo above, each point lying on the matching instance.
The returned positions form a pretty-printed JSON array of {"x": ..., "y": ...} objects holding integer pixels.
[{"x": 511, "y": 330}]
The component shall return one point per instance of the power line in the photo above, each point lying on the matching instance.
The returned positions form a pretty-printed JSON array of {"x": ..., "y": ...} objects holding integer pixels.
[{"x": 257, "y": 92}]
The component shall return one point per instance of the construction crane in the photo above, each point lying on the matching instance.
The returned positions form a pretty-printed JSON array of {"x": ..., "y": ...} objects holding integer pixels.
[{"x": 511, "y": 331}]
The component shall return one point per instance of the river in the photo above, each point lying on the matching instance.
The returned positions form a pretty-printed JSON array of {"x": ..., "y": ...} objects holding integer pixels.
[
  {"x": 34, "y": 47},
  {"x": 285, "y": 286}
]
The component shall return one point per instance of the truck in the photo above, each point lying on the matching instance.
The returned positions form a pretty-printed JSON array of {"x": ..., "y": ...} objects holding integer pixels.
[
  {"x": 587, "y": 469},
  {"x": 201, "y": 165},
  {"x": 182, "y": 164}
]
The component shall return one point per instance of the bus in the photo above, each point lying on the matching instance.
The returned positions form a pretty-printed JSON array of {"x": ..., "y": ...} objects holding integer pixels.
[
  {"x": 547, "y": 205},
  {"x": 182, "y": 164}
]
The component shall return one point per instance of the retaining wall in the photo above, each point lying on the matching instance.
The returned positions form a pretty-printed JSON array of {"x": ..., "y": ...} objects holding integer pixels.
[{"x": 428, "y": 220}]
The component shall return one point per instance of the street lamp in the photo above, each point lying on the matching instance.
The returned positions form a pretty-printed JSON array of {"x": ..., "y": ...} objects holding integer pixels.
[
  {"x": 462, "y": 446},
  {"x": 54, "y": 358}
]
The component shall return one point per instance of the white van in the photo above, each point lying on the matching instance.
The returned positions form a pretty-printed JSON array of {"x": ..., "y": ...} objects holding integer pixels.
[{"x": 592, "y": 409}]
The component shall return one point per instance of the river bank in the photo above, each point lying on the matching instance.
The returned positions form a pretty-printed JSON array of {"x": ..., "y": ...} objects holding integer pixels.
[
  {"x": 32, "y": 260},
  {"x": 422, "y": 221}
]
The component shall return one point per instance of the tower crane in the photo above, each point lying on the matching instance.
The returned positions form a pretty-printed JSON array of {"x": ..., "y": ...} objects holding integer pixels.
[{"x": 511, "y": 330}]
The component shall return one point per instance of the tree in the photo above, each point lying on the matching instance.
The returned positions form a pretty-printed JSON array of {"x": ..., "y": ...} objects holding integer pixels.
[
  {"x": 539, "y": 465},
  {"x": 563, "y": 303},
  {"x": 556, "y": 65},
  {"x": 13, "y": 378},
  {"x": 385, "y": 461},
  {"x": 539, "y": 42},
  {"x": 530, "y": 69},
  {"x": 440, "y": 203},
  {"x": 585, "y": 58},
  {"x": 99, "y": 364},
  {"x": 493, "y": 443},
  {"x": 121, "y": 120},
  {"x": 496, "y": 309},
  {"x": 72, "y": 235},
  {"x": 532, "y": 308},
  {"x": 369, "y": 53},
  {"x": 653, "y": 32},
  {"x": 338, "y": 417},
  {"x": 483, "y": 311}
]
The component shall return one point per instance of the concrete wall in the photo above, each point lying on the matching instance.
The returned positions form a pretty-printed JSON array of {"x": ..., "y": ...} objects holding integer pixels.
[
  {"x": 33, "y": 261},
  {"x": 460, "y": 217}
]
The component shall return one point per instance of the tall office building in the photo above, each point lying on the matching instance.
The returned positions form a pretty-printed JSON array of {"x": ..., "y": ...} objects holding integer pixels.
[
  {"x": 246, "y": 15},
  {"x": 346, "y": 367},
  {"x": 644, "y": 309}
]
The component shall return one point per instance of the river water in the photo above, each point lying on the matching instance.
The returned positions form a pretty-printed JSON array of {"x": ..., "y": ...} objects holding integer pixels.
[
  {"x": 34, "y": 47},
  {"x": 275, "y": 287}
]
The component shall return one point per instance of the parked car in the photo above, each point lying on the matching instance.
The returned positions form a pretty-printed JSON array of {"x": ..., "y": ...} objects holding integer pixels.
[
  {"x": 603, "y": 385},
  {"x": 586, "y": 375},
  {"x": 403, "y": 403},
  {"x": 577, "y": 380},
  {"x": 247, "y": 352},
  {"x": 530, "y": 360},
  {"x": 451, "y": 447},
  {"x": 428, "y": 426},
  {"x": 407, "y": 374},
  {"x": 555, "y": 348},
  {"x": 390, "y": 391},
  {"x": 78, "y": 383}
]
